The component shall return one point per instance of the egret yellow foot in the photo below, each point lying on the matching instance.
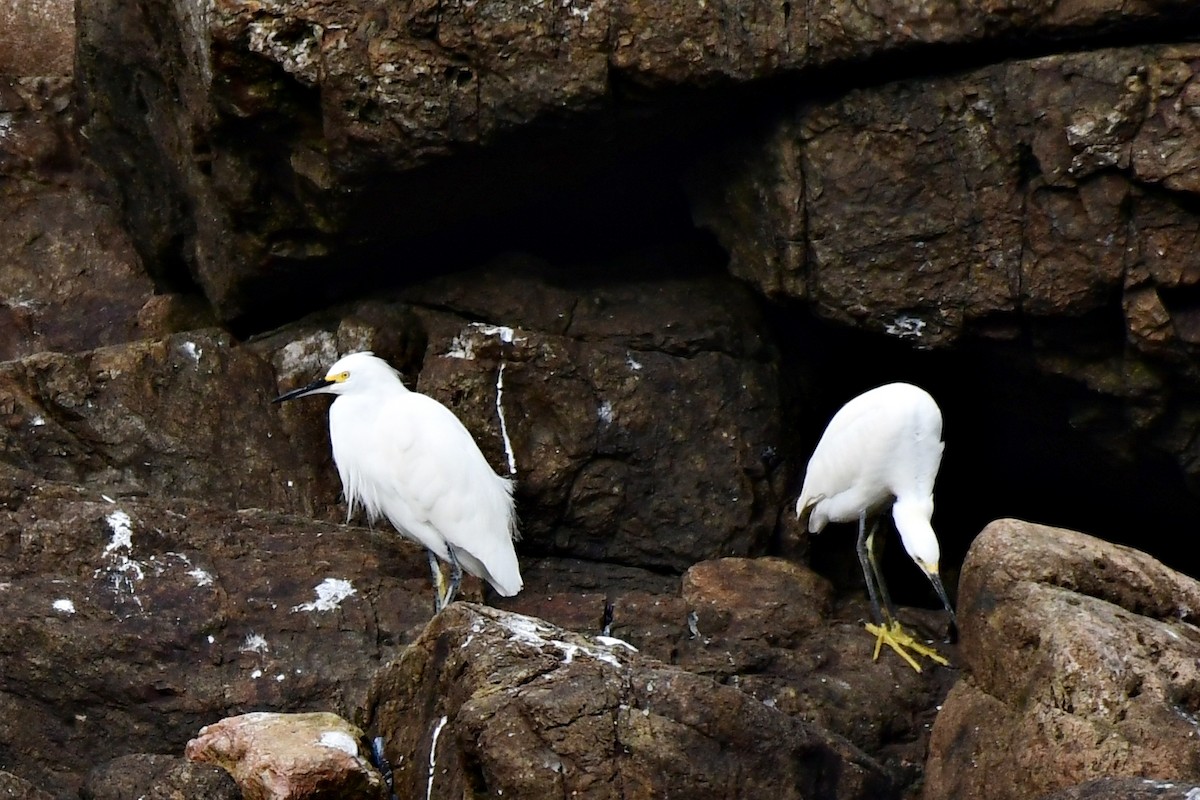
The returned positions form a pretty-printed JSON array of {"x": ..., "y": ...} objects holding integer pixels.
[{"x": 892, "y": 634}]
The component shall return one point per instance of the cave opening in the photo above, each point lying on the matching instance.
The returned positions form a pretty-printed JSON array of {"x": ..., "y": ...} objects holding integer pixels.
[{"x": 1015, "y": 447}]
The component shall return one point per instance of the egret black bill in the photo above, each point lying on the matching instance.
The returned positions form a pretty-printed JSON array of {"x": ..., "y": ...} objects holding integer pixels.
[{"x": 319, "y": 383}]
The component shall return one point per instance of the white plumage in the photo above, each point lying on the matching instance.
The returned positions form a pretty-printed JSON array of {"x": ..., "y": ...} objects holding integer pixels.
[
  {"x": 405, "y": 456},
  {"x": 881, "y": 449}
]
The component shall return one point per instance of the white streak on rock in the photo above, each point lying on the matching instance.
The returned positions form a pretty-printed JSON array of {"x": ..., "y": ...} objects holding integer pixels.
[{"x": 437, "y": 731}]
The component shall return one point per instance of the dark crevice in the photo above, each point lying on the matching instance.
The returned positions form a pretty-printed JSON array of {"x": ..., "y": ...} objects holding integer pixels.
[{"x": 1019, "y": 443}]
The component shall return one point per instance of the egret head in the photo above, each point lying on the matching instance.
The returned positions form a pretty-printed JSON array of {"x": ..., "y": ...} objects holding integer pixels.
[
  {"x": 916, "y": 532},
  {"x": 353, "y": 373}
]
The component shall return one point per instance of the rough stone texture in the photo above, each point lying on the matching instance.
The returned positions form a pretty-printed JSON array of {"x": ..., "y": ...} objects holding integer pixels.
[
  {"x": 768, "y": 627},
  {"x": 1127, "y": 789},
  {"x": 1082, "y": 659},
  {"x": 290, "y": 756},
  {"x": 37, "y": 37},
  {"x": 1044, "y": 204},
  {"x": 14, "y": 788},
  {"x": 188, "y": 416},
  {"x": 644, "y": 444},
  {"x": 276, "y": 133},
  {"x": 149, "y": 776},
  {"x": 488, "y": 702},
  {"x": 131, "y": 624},
  {"x": 71, "y": 279},
  {"x": 932, "y": 206}
]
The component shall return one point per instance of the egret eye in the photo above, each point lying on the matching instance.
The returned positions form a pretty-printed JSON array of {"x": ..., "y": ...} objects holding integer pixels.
[{"x": 340, "y": 377}]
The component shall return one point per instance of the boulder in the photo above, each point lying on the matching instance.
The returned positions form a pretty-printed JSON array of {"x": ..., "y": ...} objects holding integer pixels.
[
  {"x": 1081, "y": 656},
  {"x": 187, "y": 416},
  {"x": 1127, "y": 789},
  {"x": 150, "y": 776},
  {"x": 14, "y": 788},
  {"x": 130, "y": 623},
  {"x": 257, "y": 143},
  {"x": 637, "y": 419},
  {"x": 290, "y": 756},
  {"x": 1012, "y": 189},
  {"x": 488, "y": 702}
]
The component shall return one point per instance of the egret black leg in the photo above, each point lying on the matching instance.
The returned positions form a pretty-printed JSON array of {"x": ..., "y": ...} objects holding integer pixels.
[
  {"x": 439, "y": 582},
  {"x": 864, "y": 559},
  {"x": 873, "y": 556},
  {"x": 455, "y": 577}
]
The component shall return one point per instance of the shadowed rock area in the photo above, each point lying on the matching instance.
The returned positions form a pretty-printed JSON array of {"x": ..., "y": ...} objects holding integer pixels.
[{"x": 644, "y": 251}]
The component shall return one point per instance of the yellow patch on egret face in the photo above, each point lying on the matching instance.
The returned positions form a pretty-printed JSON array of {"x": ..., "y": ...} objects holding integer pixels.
[{"x": 339, "y": 378}]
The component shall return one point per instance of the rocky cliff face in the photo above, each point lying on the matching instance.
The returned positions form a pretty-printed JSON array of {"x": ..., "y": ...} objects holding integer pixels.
[{"x": 644, "y": 250}]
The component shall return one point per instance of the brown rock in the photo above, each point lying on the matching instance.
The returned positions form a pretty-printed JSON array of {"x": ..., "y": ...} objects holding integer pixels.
[
  {"x": 637, "y": 423},
  {"x": 1127, "y": 789},
  {"x": 148, "y": 776},
  {"x": 14, "y": 788},
  {"x": 355, "y": 107},
  {"x": 188, "y": 416},
  {"x": 37, "y": 38},
  {"x": 290, "y": 756},
  {"x": 130, "y": 624},
  {"x": 1081, "y": 663},
  {"x": 71, "y": 278},
  {"x": 488, "y": 702}
]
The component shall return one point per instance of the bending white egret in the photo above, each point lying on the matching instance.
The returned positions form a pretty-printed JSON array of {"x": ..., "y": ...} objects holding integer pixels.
[
  {"x": 882, "y": 448},
  {"x": 406, "y": 456}
]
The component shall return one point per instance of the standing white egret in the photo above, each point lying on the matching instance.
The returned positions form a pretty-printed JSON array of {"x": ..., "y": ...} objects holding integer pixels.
[
  {"x": 882, "y": 448},
  {"x": 405, "y": 456}
]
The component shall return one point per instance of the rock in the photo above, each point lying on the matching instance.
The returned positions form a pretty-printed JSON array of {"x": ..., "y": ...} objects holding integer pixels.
[
  {"x": 355, "y": 108},
  {"x": 72, "y": 279},
  {"x": 14, "y": 788},
  {"x": 188, "y": 416},
  {"x": 1127, "y": 789},
  {"x": 490, "y": 702},
  {"x": 130, "y": 624},
  {"x": 38, "y": 39},
  {"x": 768, "y": 627},
  {"x": 290, "y": 756},
  {"x": 602, "y": 473},
  {"x": 1082, "y": 659},
  {"x": 148, "y": 776},
  {"x": 933, "y": 172}
]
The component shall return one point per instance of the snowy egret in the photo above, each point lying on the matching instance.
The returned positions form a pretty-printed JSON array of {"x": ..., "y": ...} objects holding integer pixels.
[
  {"x": 882, "y": 448},
  {"x": 405, "y": 456}
]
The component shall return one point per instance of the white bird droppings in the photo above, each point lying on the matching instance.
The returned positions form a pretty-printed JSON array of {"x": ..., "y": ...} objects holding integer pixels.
[
  {"x": 37, "y": 421},
  {"x": 605, "y": 412},
  {"x": 123, "y": 570},
  {"x": 633, "y": 363},
  {"x": 255, "y": 643},
  {"x": 201, "y": 577},
  {"x": 905, "y": 326},
  {"x": 338, "y": 740},
  {"x": 64, "y": 606},
  {"x": 122, "y": 529},
  {"x": 527, "y": 630},
  {"x": 193, "y": 352},
  {"x": 330, "y": 594}
]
